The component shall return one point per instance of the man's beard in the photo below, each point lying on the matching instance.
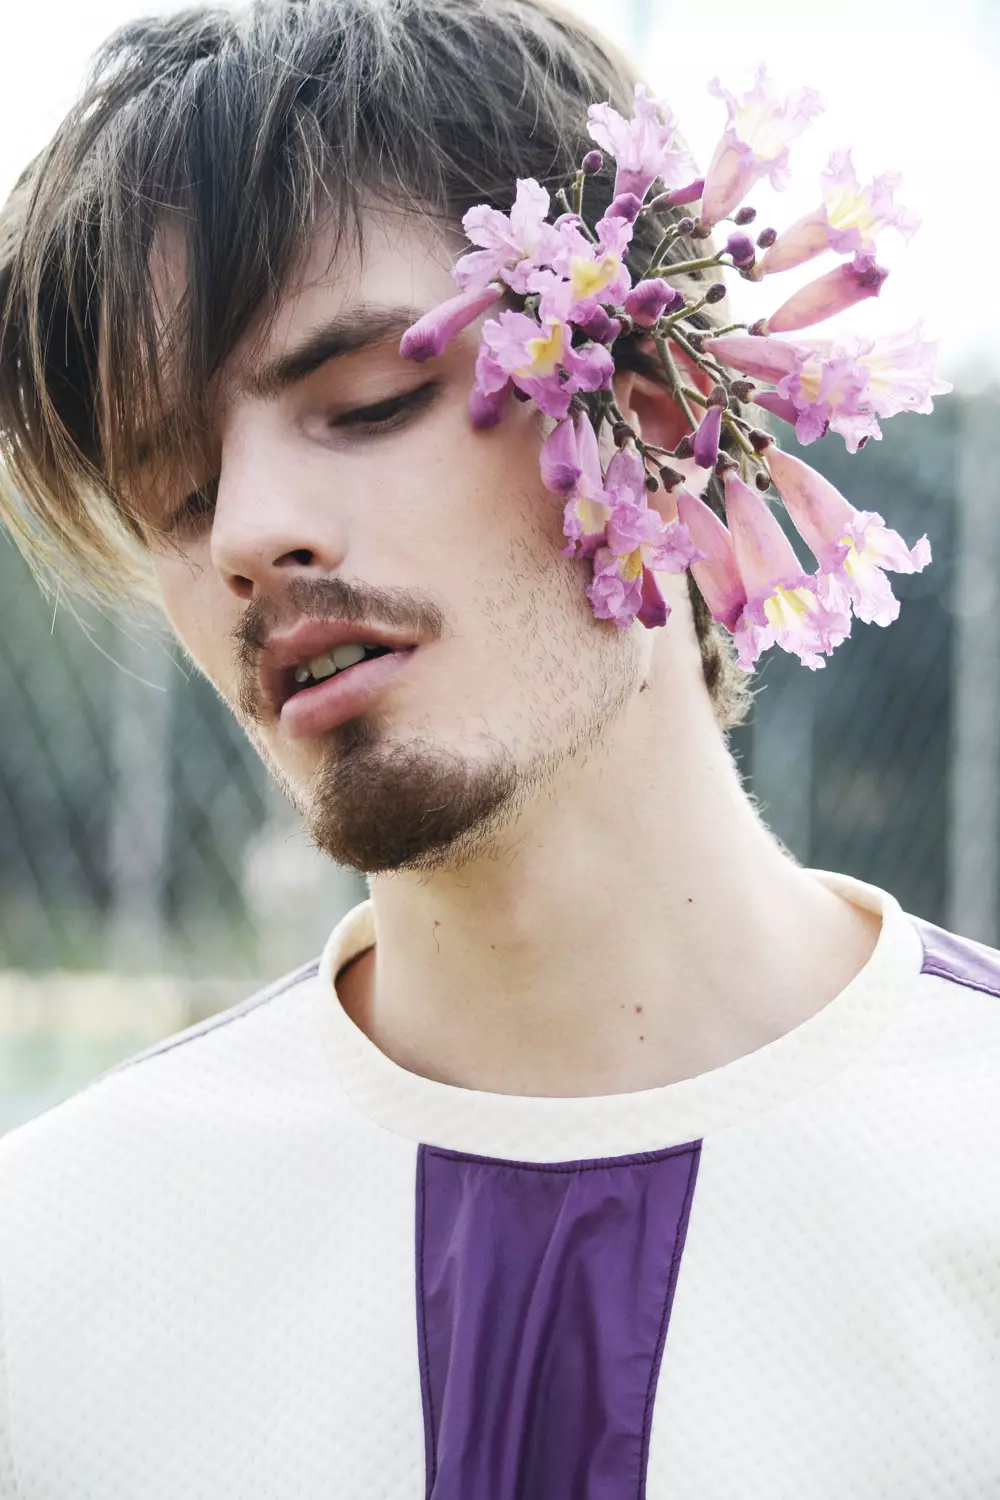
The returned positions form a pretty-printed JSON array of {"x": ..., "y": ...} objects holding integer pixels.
[{"x": 380, "y": 805}]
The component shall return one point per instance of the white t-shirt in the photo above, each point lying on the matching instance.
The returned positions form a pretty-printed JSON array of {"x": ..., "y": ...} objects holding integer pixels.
[{"x": 261, "y": 1261}]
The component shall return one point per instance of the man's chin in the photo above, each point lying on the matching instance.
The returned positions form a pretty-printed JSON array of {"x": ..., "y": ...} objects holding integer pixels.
[{"x": 377, "y": 806}]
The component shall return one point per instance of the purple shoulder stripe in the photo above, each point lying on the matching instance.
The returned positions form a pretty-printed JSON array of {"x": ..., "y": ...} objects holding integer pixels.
[
  {"x": 959, "y": 959},
  {"x": 543, "y": 1298},
  {"x": 221, "y": 1018}
]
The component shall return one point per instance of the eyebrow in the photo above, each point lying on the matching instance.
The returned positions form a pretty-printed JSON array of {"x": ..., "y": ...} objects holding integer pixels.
[{"x": 366, "y": 326}]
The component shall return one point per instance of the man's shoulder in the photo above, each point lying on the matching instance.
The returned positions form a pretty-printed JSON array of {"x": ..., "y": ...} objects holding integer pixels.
[{"x": 219, "y": 1057}]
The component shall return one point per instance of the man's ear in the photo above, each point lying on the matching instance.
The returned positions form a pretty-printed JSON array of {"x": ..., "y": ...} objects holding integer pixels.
[{"x": 650, "y": 408}]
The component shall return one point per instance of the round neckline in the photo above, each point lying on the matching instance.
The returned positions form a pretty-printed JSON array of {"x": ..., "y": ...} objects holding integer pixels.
[{"x": 565, "y": 1128}]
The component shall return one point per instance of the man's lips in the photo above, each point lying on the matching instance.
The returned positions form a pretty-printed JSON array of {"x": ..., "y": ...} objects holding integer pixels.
[
  {"x": 316, "y": 710},
  {"x": 290, "y": 649}
]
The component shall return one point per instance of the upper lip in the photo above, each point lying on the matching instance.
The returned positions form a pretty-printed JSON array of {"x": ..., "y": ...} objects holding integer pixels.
[{"x": 290, "y": 649}]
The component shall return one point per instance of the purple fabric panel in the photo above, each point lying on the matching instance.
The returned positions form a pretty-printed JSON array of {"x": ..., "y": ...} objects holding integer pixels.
[
  {"x": 543, "y": 1297},
  {"x": 951, "y": 957}
]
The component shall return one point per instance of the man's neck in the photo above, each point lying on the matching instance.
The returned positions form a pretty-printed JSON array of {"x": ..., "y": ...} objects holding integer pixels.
[{"x": 635, "y": 930}]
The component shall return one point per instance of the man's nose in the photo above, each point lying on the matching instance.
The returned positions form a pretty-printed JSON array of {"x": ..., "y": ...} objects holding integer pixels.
[{"x": 273, "y": 517}]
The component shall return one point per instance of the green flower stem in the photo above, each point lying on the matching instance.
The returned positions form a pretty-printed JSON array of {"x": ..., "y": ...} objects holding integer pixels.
[
  {"x": 668, "y": 239},
  {"x": 709, "y": 365},
  {"x": 694, "y": 395},
  {"x": 683, "y": 267},
  {"x": 732, "y": 425},
  {"x": 674, "y": 379},
  {"x": 578, "y": 192},
  {"x": 564, "y": 204}
]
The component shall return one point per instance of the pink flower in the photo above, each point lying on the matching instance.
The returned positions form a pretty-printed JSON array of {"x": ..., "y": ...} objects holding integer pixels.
[
  {"x": 429, "y": 336},
  {"x": 850, "y": 282},
  {"x": 784, "y": 605},
  {"x": 570, "y": 462},
  {"x": 716, "y": 574},
  {"x": 641, "y": 146},
  {"x": 706, "y": 439},
  {"x": 583, "y": 275},
  {"x": 843, "y": 387},
  {"x": 847, "y": 221},
  {"x": 514, "y": 244},
  {"x": 853, "y": 548},
  {"x": 486, "y": 408},
  {"x": 639, "y": 544},
  {"x": 650, "y": 299},
  {"x": 755, "y": 143},
  {"x": 540, "y": 361}
]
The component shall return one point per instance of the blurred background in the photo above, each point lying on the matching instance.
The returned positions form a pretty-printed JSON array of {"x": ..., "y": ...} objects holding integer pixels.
[{"x": 150, "y": 874}]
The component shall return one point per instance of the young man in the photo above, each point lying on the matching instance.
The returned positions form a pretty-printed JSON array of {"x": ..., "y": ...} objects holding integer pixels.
[{"x": 605, "y": 1152}]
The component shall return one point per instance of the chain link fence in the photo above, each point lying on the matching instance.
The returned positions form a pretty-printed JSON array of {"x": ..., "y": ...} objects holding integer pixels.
[{"x": 150, "y": 873}]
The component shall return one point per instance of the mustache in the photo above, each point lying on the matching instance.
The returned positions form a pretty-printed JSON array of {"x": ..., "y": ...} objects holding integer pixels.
[{"x": 409, "y": 610}]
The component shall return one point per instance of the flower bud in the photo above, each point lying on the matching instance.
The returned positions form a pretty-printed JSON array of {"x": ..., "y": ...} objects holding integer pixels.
[
  {"x": 671, "y": 477},
  {"x": 592, "y": 163},
  {"x": 718, "y": 396},
  {"x": 760, "y": 441},
  {"x": 716, "y": 292},
  {"x": 626, "y": 206},
  {"x": 766, "y": 238},
  {"x": 685, "y": 448},
  {"x": 741, "y": 248},
  {"x": 652, "y": 483},
  {"x": 745, "y": 216},
  {"x": 743, "y": 389},
  {"x": 690, "y": 194},
  {"x": 697, "y": 342},
  {"x": 685, "y": 226},
  {"x": 762, "y": 480}
]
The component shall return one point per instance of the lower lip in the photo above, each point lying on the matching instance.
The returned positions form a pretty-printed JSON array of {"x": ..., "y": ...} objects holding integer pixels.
[{"x": 319, "y": 709}]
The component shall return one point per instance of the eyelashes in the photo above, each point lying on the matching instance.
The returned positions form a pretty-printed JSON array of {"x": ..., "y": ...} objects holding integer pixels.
[{"x": 382, "y": 417}]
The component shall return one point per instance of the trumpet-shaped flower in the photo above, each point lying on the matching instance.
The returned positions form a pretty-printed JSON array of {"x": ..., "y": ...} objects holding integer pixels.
[
  {"x": 841, "y": 387},
  {"x": 854, "y": 548},
  {"x": 847, "y": 221},
  {"x": 430, "y": 335},
  {"x": 571, "y": 465},
  {"x": 785, "y": 605},
  {"x": 716, "y": 573},
  {"x": 650, "y": 299},
  {"x": 759, "y": 130},
  {"x": 639, "y": 545},
  {"x": 539, "y": 358},
  {"x": 583, "y": 275},
  {"x": 706, "y": 439},
  {"x": 848, "y": 283},
  {"x": 641, "y": 146},
  {"x": 514, "y": 244}
]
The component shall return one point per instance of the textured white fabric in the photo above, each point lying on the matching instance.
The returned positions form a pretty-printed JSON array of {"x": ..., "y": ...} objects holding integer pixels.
[{"x": 207, "y": 1256}]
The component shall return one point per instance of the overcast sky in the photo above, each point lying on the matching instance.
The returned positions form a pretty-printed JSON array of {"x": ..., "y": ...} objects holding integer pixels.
[{"x": 910, "y": 84}]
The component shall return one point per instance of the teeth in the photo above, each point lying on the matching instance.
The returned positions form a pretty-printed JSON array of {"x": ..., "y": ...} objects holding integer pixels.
[
  {"x": 347, "y": 656},
  {"x": 322, "y": 666},
  {"x": 337, "y": 660}
]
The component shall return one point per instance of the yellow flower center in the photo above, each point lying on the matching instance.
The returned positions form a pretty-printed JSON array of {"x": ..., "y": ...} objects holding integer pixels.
[
  {"x": 851, "y": 208},
  {"x": 588, "y": 278},
  {"x": 631, "y": 566},
  {"x": 544, "y": 353},
  {"x": 786, "y": 607}
]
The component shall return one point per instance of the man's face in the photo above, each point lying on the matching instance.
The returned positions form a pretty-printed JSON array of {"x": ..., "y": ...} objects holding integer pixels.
[{"x": 440, "y": 539}]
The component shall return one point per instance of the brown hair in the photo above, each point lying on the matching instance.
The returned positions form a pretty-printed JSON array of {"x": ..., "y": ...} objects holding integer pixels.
[{"x": 247, "y": 126}]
